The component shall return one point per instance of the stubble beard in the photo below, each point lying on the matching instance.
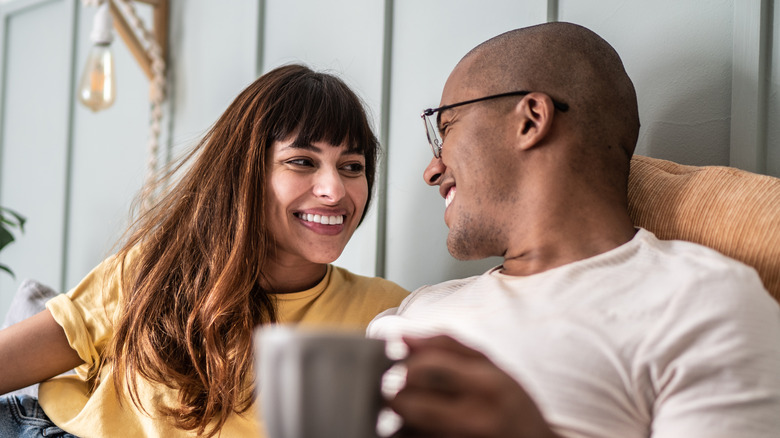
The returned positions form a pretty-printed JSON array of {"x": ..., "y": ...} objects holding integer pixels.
[{"x": 474, "y": 238}]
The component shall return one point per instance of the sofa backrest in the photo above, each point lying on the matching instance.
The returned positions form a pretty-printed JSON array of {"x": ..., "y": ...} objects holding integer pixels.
[{"x": 731, "y": 210}]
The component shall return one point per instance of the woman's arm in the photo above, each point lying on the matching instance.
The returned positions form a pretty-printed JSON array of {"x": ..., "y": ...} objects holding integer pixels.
[{"x": 34, "y": 350}]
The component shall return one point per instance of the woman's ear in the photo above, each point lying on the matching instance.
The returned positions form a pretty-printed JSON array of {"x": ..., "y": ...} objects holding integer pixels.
[{"x": 534, "y": 114}]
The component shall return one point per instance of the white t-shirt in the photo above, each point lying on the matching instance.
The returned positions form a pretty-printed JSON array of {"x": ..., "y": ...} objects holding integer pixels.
[{"x": 654, "y": 338}]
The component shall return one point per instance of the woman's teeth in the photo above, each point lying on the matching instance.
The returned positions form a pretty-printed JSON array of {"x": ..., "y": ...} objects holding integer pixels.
[
  {"x": 322, "y": 219},
  {"x": 449, "y": 198}
]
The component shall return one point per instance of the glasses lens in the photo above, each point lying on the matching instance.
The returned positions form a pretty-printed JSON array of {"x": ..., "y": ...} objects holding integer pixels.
[{"x": 433, "y": 136}]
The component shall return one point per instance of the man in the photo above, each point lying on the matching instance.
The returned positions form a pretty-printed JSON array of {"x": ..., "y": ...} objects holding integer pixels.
[{"x": 590, "y": 327}]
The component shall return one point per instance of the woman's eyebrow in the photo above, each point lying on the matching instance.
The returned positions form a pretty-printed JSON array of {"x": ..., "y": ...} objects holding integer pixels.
[{"x": 304, "y": 146}]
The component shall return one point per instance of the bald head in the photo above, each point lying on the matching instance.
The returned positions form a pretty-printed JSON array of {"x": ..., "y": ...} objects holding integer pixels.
[
  {"x": 571, "y": 64},
  {"x": 526, "y": 178}
]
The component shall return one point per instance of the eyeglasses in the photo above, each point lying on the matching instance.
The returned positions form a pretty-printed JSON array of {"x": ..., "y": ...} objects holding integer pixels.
[{"x": 431, "y": 126}]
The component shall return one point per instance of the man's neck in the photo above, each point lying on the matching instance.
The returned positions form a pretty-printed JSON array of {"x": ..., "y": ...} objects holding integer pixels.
[{"x": 576, "y": 236}]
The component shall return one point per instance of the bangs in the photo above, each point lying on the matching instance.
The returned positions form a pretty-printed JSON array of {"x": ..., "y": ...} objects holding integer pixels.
[
  {"x": 309, "y": 107},
  {"x": 322, "y": 109}
]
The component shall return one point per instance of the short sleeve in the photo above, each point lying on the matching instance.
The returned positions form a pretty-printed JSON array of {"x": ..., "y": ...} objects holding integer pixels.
[
  {"x": 87, "y": 312},
  {"x": 716, "y": 372}
]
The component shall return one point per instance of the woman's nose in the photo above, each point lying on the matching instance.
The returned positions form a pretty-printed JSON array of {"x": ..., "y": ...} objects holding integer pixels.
[
  {"x": 434, "y": 171},
  {"x": 328, "y": 185}
]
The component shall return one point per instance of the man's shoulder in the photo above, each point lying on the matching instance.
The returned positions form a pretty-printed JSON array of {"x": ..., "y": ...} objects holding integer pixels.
[
  {"x": 434, "y": 293},
  {"x": 690, "y": 256},
  {"x": 449, "y": 285},
  {"x": 694, "y": 273}
]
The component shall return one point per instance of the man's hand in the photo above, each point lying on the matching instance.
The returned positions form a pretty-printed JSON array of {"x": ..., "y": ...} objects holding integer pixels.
[{"x": 454, "y": 391}]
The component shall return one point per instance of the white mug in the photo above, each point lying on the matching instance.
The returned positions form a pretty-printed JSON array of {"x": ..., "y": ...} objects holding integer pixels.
[{"x": 318, "y": 383}]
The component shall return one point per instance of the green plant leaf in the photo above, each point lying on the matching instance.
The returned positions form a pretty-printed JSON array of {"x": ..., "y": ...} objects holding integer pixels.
[
  {"x": 5, "y": 237},
  {"x": 7, "y": 269},
  {"x": 9, "y": 220},
  {"x": 16, "y": 220}
]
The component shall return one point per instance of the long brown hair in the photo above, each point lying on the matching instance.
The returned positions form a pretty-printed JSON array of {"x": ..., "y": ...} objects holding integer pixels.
[{"x": 193, "y": 289}]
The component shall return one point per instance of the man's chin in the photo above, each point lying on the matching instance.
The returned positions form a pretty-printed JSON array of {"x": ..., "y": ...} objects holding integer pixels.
[{"x": 464, "y": 252}]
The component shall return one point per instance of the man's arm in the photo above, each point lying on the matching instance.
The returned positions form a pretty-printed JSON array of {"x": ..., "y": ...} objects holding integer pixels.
[
  {"x": 714, "y": 360},
  {"x": 34, "y": 350},
  {"x": 452, "y": 390}
]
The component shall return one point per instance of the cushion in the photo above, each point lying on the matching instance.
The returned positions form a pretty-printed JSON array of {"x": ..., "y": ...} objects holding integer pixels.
[
  {"x": 731, "y": 210},
  {"x": 28, "y": 300}
]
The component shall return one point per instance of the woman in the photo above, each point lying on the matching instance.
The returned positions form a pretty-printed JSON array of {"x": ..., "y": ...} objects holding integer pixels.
[{"x": 161, "y": 332}]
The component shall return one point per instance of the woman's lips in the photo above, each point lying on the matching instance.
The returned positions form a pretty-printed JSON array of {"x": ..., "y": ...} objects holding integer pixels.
[{"x": 321, "y": 218}]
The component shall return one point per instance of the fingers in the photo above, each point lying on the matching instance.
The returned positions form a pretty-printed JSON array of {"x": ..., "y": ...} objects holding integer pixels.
[
  {"x": 454, "y": 391},
  {"x": 450, "y": 391},
  {"x": 441, "y": 342}
]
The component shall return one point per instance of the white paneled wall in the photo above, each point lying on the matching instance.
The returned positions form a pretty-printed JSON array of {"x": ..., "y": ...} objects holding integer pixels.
[
  {"x": 74, "y": 173},
  {"x": 35, "y": 124}
]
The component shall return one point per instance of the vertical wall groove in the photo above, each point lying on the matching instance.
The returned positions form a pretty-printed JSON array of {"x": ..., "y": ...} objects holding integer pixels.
[
  {"x": 384, "y": 139},
  {"x": 261, "y": 27},
  {"x": 68, "y": 186},
  {"x": 552, "y": 10},
  {"x": 3, "y": 81},
  {"x": 748, "y": 86}
]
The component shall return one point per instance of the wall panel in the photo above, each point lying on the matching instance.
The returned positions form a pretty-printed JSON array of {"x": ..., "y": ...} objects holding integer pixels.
[
  {"x": 34, "y": 142},
  {"x": 209, "y": 64}
]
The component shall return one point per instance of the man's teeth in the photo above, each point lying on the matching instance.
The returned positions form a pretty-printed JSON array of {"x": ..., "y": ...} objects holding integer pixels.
[
  {"x": 449, "y": 198},
  {"x": 322, "y": 219}
]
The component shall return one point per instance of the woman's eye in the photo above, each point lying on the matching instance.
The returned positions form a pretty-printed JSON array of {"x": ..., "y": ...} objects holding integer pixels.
[
  {"x": 354, "y": 168},
  {"x": 300, "y": 162}
]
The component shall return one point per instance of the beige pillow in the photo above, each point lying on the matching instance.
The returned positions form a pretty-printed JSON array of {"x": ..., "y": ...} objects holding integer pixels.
[{"x": 731, "y": 210}]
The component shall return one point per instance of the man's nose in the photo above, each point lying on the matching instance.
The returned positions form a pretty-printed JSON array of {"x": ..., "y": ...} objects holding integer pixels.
[{"x": 434, "y": 171}]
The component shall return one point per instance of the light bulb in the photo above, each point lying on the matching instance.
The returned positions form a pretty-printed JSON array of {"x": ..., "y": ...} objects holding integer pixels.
[{"x": 97, "y": 87}]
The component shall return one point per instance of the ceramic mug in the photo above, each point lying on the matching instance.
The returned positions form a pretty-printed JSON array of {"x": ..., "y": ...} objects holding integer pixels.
[{"x": 318, "y": 383}]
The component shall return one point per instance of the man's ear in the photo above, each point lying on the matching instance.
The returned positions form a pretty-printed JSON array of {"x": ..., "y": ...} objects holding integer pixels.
[{"x": 534, "y": 114}]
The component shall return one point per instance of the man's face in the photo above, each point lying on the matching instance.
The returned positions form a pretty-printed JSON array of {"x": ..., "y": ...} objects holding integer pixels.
[{"x": 474, "y": 173}]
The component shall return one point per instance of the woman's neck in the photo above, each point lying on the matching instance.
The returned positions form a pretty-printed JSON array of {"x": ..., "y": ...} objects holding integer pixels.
[{"x": 283, "y": 278}]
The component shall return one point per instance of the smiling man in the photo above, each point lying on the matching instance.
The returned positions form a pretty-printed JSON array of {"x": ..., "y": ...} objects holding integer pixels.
[{"x": 590, "y": 327}]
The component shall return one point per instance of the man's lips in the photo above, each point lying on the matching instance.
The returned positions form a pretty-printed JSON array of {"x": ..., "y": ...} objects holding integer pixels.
[{"x": 449, "y": 197}]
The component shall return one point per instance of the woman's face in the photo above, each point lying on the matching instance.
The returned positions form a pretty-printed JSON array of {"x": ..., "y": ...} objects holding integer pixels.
[{"x": 316, "y": 196}]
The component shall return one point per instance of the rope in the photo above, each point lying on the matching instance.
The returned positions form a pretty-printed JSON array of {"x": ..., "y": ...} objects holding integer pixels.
[{"x": 156, "y": 94}]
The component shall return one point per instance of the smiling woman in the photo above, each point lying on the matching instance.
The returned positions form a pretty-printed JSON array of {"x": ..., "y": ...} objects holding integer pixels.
[
  {"x": 161, "y": 332},
  {"x": 317, "y": 194}
]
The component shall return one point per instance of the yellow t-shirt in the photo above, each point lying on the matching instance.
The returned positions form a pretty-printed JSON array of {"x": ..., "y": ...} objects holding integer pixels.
[{"x": 87, "y": 314}]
